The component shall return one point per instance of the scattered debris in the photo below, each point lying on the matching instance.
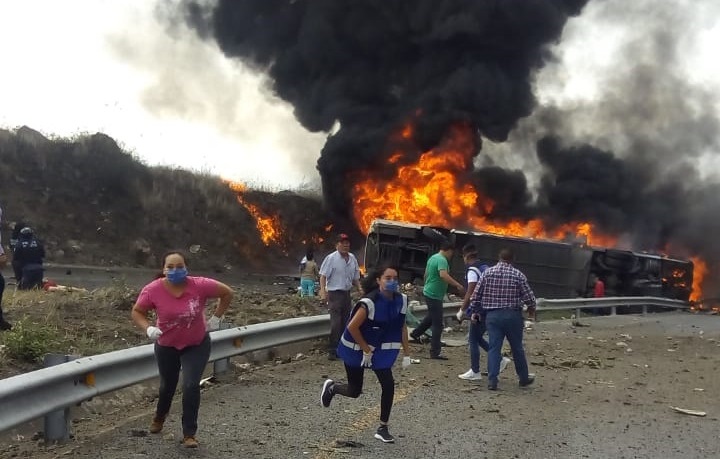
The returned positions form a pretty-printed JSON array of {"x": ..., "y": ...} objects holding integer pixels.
[
  {"x": 348, "y": 443},
  {"x": 690, "y": 412}
]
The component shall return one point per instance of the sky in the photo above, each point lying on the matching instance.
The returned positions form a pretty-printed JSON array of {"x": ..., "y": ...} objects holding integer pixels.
[{"x": 85, "y": 66}]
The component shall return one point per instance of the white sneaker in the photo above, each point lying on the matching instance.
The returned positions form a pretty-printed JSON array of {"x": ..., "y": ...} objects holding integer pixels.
[
  {"x": 504, "y": 363},
  {"x": 470, "y": 376}
]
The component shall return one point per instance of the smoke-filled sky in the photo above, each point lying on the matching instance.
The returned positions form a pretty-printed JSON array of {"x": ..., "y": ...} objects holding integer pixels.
[
  {"x": 612, "y": 119},
  {"x": 170, "y": 97}
]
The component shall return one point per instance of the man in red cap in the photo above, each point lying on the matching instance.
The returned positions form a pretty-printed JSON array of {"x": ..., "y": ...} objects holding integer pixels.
[{"x": 338, "y": 273}]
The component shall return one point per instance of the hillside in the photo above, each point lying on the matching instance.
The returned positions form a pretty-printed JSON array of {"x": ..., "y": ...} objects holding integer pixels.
[{"x": 93, "y": 203}]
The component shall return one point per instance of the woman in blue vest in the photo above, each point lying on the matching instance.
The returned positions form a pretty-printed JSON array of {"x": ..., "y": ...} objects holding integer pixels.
[{"x": 372, "y": 339}]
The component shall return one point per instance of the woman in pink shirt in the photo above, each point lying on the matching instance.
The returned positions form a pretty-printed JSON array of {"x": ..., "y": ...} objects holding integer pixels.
[{"x": 181, "y": 335}]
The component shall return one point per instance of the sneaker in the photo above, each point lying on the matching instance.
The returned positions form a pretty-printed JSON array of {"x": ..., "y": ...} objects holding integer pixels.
[
  {"x": 470, "y": 376},
  {"x": 189, "y": 441},
  {"x": 5, "y": 325},
  {"x": 157, "y": 424},
  {"x": 383, "y": 435},
  {"x": 326, "y": 395},
  {"x": 527, "y": 382},
  {"x": 438, "y": 357},
  {"x": 504, "y": 363}
]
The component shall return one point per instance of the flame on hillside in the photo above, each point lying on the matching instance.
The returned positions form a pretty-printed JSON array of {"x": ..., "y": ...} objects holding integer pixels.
[
  {"x": 269, "y": 226},
  {"x": 431, "y": 191}
]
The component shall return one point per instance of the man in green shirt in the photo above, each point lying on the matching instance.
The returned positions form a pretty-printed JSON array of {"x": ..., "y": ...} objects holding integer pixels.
[{"x": 437, "y": 279}]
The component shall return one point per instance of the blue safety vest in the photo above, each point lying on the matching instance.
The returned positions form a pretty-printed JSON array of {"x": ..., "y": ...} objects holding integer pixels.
[
  {"x": 382, "y": 330},
  {"x": 479, "y": 268}
]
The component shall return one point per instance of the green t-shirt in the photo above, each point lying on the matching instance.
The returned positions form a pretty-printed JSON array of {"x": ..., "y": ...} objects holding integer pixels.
[{"x": 435, "y": 287}]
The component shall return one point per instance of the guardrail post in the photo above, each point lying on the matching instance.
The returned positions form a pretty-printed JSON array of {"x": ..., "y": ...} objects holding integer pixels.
[
  {"x": 57, "y": 423},
  {"x": 222, "y": 365},
  {"x": 577, "y": 313},
  {"x": 613, "y": 310},
  {"x": 644, "y": 309}
]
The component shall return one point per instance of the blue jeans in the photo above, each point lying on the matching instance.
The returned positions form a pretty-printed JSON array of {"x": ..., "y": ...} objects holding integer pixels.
[
  {"x": 501, "y": 324},
  {"x": 475, "y": 342},
  {"x": 307, "y": 287}
]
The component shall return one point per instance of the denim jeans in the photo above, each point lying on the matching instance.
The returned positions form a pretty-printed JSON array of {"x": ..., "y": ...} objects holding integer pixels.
[
  {"x": 434, "y": 321},
  {"x": 501, "y": 324},
  {"x": 475, "y": 342}
]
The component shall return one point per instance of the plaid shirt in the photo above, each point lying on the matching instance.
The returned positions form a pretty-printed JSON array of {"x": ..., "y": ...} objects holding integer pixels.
[{"x": 502, "y": 287}]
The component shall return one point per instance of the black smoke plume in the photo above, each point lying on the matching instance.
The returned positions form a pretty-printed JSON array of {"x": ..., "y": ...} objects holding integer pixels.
[
  {"x": 626, "y": 161},
  {"x": 362, "y": 69}
]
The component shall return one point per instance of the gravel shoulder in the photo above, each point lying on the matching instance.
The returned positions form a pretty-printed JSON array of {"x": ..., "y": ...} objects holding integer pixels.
[{"x": 603, "y": 390}]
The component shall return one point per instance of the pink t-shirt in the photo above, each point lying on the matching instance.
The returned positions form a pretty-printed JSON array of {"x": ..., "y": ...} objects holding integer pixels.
[{"x": 181, "y": 320}]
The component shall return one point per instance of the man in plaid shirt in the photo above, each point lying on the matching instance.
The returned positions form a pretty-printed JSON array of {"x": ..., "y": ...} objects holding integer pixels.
[{"x": 501, "y": 292}]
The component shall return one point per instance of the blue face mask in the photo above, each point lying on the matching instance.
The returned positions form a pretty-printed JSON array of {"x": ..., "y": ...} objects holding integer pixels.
[
  {"x": 391, "y": 285},
  {"x": 176, "y": 275}
]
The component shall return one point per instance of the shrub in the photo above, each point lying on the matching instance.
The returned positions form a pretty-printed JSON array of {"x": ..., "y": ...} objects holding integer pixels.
[{"x": 29, "y": 342}]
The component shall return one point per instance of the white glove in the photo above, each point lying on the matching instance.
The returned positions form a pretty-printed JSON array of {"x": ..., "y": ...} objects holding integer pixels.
[
  {"x": 214, "y": 323},
  {"x": 153, "y": 332},
  {"x": 367, "y": 360},
  {"x": 460, "y": 315},
  {"x": 406, "y": 362}
]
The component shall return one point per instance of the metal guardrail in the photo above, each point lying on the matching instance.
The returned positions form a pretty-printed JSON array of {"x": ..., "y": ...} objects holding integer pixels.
[
  {"x": 578, "y": 304},
  {"x": 32, "y": 395}
]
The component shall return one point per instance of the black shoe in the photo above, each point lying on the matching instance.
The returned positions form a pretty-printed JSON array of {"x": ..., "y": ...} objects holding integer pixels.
[
  {"x": 332, "y": 355},
  {"x": 5, "y": 325},
  {"x": 492, "y": 386},
  {"x": 326, "y": 395},
  {"x": 438, "y": 357},
  {"x": 418, "y": 339},
  {"x": 383, "y": 435},
  {"x": 527, "y": 382}
]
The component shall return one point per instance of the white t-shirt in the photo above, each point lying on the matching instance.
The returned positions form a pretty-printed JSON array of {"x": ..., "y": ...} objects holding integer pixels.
[{"x": 473, "y": 275}]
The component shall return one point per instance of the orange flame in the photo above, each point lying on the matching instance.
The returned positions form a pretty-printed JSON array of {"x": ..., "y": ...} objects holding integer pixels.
[
  {"x": 268, "y": 226},
  {"x": 432, "y": 192},
  {"x": 699, "y": 272}
]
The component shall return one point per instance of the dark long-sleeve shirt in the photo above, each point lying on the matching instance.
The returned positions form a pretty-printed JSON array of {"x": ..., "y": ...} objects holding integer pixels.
[{"x": 502, "y": 287}]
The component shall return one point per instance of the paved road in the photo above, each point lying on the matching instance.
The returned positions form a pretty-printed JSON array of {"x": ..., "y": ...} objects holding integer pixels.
[{"x": 594, "y": 398}]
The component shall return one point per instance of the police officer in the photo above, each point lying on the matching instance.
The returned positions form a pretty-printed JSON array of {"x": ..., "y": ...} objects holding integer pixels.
[{"x": 28, "y": 260}]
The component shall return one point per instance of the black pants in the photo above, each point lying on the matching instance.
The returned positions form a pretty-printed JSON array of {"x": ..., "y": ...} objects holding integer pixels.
[
  {"x": 2, "y": 289},
  {"x": 32, "y": 277},
  {"x": 353, "y": 388},
  {"x": 434, "y": 321},
  {"x": 339, "y": 306},
  {"x": 17, "y": 270},
  {"x": 192, "y": 360}
]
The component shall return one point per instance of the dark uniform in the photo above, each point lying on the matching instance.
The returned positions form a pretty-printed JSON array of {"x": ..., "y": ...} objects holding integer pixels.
[{"x": 28, "y": 260}]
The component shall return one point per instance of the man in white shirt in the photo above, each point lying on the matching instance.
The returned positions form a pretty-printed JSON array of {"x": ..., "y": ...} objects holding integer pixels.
[{"x": 338, "y": 273}]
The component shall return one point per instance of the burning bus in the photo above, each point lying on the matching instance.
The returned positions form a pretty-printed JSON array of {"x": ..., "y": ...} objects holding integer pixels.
[{"x": 554, "y": 269}]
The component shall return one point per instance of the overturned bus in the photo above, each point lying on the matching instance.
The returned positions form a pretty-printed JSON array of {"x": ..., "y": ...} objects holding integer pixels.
[{"x": 554, "y": 269}]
